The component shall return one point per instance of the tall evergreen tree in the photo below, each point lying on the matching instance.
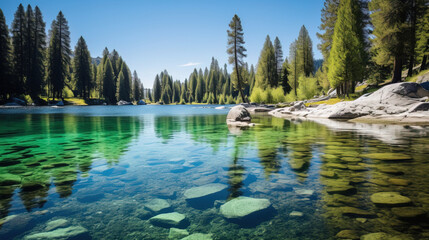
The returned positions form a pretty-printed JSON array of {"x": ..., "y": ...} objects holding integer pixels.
[
  {"x": 136, "y": 87},
  {"x": 284, "y": 78},
  {"x": 109, "y": 90},
  {"x": 347, "y": 54},
  {"x": 266, "y": 73},
  {"x": 279, "y": 55},
  {"x": 293, "y": 56},
  {"x": 82, "y": 69},
  {"x": 422, "y": 45},
  {"x": 124, "y": 86},
  {"x": 36, "y": 71},
  {"x": 59, "y": 55},
  {"x": 236, "y": 51},
  {"x": 156, "y": 89},
  {"x": 304, "y": 53},
  {"x": 20, "y": 53},
  {"x": 389, "y": 18},
  {"x": 5, "y": 59},
  {"x": 199, "y": 91},
  {"x": 329, "y": 17}
]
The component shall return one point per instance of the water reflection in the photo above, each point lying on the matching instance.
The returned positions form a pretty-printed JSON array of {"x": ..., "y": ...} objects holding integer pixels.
[{"x": 106, "y": 166}]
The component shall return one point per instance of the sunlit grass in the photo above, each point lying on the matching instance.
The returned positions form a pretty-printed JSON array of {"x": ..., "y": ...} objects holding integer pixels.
[{"x": 414, "y": 78}]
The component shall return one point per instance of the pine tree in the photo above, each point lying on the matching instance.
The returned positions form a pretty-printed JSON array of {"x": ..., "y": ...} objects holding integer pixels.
[
  {"x": 156, "y": 89},
  {"x": 199, "y": 91},
  {"x": 82, "y": 69},
  {"x": 284, "y": 78},
  {"x": 123, "y": 87},
  {"x": 304, "y": 53},
  {"x": 20, "y": 53},
  {"x": 109, "y": 90},
  {"x": 293, "y": 67},
  {"x": 347, "y": 54},
  {"x": 266, "y": 73},
  {"x": 389, "y": 18},
  {"x": 5, "y": 59},
  {"x": 279, "y": 56},
  {"x": 36, "y": 72},
  {"x": 422, "y": 36},
  {"x": 59, "y": 55},
  {"x": 236, "y": 51},
  {"x": 329, "y": 17},
  {"x": 136, "y": 87}
]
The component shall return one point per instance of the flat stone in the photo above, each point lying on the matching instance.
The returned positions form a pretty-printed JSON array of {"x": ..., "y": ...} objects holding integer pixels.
[
  {"x": 357, "y": 168},
  {"x": 74, "y": 232},
  {"x": 408, "y": 212},
  {"x": 304, "y": 192},
  {"x": 355, "y": 212},
  {"x": 361, "y": 220},
  {"x": 383, "y": 236},
  {"x": 351, "y": 159},
  {"x": 336, "y": 166},
  {"x": 390, "y": 170},
  {"x": 387, "y": 156},
  {"x": 157, "y": 205},
  {"x": 173, "y": 219},
  {"x": 204, "y": 196},
  {"x": 177, "y": 233},
  {"x": 296, "y": 214},
  {"x": 390, "y": 199},
  {"x": 245, "y": 208},
  {"x": 399, "y": 181},
  {"x": 54, "y": 224},
  {"x": 297, "y": 164},
  {"x": 347, "y": 234},
  {"x": 198, "y": 236},
  {"x": 379, "y": 182},
  {"x": 328, "y": 174}
]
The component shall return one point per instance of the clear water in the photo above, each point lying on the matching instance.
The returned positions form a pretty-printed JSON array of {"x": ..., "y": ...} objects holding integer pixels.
[{"x": 97, "y": 166}]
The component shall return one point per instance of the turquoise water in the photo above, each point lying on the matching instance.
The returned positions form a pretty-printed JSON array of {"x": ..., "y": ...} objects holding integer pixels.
[{"x": 97, "y": 167}]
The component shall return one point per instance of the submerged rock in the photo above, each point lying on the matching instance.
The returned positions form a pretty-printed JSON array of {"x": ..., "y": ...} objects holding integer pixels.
[
  {"x": 246, "y": 210},
  {"x": 177, "y": 233},
  {"x": 7, "y": 179},
  {"x": 74, "y": 232},
  {"x": 347, "y": 234},
  {"x": 54, "y": 224},
  {"x": 387, "y": 156},
  {"x": 389, "y": 199},
  {"x": 355, "y": 212},
  {"x": 157, "y": 205},
  {"x": 408, "y": 212},
  {"x": 296, "y": 214},
  {"x": 399, "y": 181},
  {"x": 383, "y": 236},
  {"x": 123, "y": 102},
  {"x": 204, "y": 196},
  {"x": 198, "y": 236},
  {"x": 168, "y": 220}
]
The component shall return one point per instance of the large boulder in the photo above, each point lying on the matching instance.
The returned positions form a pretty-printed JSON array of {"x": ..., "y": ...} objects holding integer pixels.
[
  {"x": 238, "y": 114},
  {"x": 247, "y": 211},
  {"x": 203, "y": 197},
  {"x": 390, "y": 199}
]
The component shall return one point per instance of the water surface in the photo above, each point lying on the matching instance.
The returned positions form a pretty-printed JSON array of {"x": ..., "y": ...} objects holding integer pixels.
[{"x": 97, "y": 166}]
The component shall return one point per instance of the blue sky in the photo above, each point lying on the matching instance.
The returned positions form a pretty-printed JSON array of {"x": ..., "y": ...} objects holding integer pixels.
[{"x": 177, "y": 35}]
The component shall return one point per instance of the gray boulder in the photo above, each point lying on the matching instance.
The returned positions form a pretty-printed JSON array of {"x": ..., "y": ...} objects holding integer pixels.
[
  {"x": 123, "y": 102},
  {"x": 141, "y": 102},
  {"x": 198, "y": 236},
  {"x": 247, "y": 211},
  {"x": 238, "y": 114},
  {"x": 157, "y": 205}
]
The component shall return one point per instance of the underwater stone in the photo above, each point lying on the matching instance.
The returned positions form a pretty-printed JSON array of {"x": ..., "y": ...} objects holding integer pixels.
[
  {"x": 246, "y": 210},
  {"x": 88, "y": 198},
  {"x": 328, "y": 174},
  {"x": 387, "y": 156},
  {"x": 355, "y": 212},
  {"x": 296, "y": 214},
  {"x": 336, "y": 166},
  {"x": 7, "y": 179},
  {"x": 157, "y": 205},
  {"x": 204, "y": 196},
  {"x": 382, "y": 236},
  {"x": 74, "y": 232},
  {"x": 54, "y": 224},
  {"x": 198, "y": 236},
  {"x": 177, "y": 233},
  {"x": 389, "y": 199},
  {"x": 408, "y": 212},
  {"x": 304, "y": 192},
  {"x": 297, "y": 164},
  {"x": 143, "y": 213},
  {"x": 344, "y": 190},
  {"x": 390, "y": 170},
  {"x": 173, "y": 219},
  {"x": 399, "y": 181},
  {"x": 347, "y": 234}
]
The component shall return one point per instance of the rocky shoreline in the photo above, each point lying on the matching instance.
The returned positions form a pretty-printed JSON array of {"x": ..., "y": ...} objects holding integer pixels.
[{"x": 400, "y": 103}]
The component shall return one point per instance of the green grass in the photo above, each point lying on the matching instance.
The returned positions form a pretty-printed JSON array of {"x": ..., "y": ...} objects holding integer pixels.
[
  {"x": 414, "y": 78},
  {"x": 331, "y": 101}
]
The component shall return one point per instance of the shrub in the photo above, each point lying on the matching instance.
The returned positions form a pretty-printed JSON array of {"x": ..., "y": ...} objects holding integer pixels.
[
  {"x": 256, "y": 95},
  {"x": 307, "y": 87},
  {"x": 278, "y": 95}
]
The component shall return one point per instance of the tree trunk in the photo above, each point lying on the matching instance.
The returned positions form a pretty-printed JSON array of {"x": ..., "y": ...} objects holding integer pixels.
[
  {"x": 423, "y": 65},
  {"x": 397, "y": 70}
]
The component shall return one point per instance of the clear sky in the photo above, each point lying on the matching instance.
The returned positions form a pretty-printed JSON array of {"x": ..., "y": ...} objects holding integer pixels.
[{"x": 177, "y": 35}]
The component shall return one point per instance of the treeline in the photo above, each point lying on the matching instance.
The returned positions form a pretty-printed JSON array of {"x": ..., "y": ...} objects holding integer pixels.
[
  {"x": 212, "y": 86},
  {"x": 34, "y": 64}
]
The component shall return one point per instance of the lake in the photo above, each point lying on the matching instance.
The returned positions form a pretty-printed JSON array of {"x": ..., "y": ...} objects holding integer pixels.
[{"x": 101, "y": 172}]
